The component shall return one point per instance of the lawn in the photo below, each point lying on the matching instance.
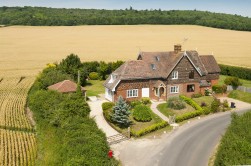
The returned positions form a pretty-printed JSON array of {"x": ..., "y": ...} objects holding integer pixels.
[
  {"x": 94, "y": 87},
  {"x": 246, "y": 83},
  {"x": 239, "y": 95},
  {"x": 170, "y": 112},
  {"x": 207, "y": 99}
]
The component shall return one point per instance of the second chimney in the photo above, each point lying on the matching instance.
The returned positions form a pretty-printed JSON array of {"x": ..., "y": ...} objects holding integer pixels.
[{"x": 177, "y": 48}]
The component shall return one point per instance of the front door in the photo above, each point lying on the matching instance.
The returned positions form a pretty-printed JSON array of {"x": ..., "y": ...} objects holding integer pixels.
[{"x": 145, "y": 92}]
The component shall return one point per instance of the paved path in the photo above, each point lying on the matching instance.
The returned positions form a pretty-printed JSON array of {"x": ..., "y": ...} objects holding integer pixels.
[
  {"x": 97, "y": 113},
  {"x": 191, "y": 144},
  {"x": 156, "y": 111}
]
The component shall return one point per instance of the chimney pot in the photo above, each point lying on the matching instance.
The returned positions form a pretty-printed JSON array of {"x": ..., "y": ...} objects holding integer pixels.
[{"x": 177, "y": 48}]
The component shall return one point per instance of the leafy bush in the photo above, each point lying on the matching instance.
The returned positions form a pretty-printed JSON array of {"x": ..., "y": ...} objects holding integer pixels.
[
  {"x": 135, "y": 103},
  {"x": 191, "y": 102},
  {"x": 233, "y": 81},
  {"x": 145, "y": 100},
  {"x": 188, "y": 115},
  {"x": 215, "y": 106},
  {"x": 94, "y": 76},
  {"x": 219, "y": 88},
  {"x": 196, "y": 95},
  {"x": 225, "y": 103},
  {"x": 107, "y": 105},
  {"x": 235, "y": 146},
  {"x": 175, "y": 103},
  {"x": 208, "y": 92},
  {"x": 142, "y": 113},
  {"x": 149, "y": 129},
  {"x": 203, "y": 104}
]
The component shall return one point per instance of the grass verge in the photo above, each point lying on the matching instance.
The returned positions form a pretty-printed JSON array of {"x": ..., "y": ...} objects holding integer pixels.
[{"x": 239, "y": 95}]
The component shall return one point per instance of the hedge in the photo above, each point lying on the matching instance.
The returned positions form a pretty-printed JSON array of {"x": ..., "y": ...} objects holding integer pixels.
[
  {"x": 107, "y": 105},
  {"x": 142, "y": 113},
  {"x": 235, "y": 145},
  {"x": 149, "y": 129},
  {"x": 240, "y": 72},
  {"x": 188, "y": 115},
  {"x": 191, "y": 102}
]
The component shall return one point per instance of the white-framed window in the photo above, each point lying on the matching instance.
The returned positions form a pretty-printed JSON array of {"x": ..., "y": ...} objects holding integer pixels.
[
  {"x": 174, "y": 89},
  {"x": 132, "y": 93},
  {"x": 175, "y": 75}
]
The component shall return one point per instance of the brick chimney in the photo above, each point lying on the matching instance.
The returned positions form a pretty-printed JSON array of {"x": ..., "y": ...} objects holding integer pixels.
[{"x": 177, "y": 48}]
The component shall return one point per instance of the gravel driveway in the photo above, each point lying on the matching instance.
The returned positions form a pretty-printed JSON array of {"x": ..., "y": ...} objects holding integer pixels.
[{"x": 97, "y": 113}]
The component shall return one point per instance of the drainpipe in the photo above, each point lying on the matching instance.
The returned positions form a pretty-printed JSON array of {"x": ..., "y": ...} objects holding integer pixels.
[{"x": 158, "y": 94}]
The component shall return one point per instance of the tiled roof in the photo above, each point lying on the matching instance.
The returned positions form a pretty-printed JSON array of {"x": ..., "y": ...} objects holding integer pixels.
[
  {"x": 160, "y": 65},
  {"x": 210, "y": 64},
  {"x": 65, "y": 86}
]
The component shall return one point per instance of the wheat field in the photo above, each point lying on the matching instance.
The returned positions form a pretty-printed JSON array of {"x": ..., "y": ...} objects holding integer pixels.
[{"x": 25, "y": 50}]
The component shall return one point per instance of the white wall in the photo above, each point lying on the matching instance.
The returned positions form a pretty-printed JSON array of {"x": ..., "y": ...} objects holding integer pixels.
[{"x": 108, "y": 94}]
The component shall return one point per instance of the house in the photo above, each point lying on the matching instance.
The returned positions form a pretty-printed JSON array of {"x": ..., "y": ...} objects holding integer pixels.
[
  {"x": 160, "y": 75},
  {"x": 66, "y": 86}
]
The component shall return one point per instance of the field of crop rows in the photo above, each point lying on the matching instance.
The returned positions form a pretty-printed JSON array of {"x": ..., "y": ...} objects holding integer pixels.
[{"x": 17, "y": 137}]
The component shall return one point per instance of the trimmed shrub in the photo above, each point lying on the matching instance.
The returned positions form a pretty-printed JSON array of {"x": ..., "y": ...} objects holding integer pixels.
[
  {"x": 149, "y": 129},
  {"x": 94, "y": 76},
  {"x": 175, "y": 103},
  {"x": 215, "y": 106},
  {"x": 146, "y": 100},
  {"x": 191, "y": 102},
  {"x": 219, "y": 88},
  {"x": 107, "y": 105},
  {"x": 142, "y": 113},
  {"x": 206, "y": 110},
  {"x": 196, "y": 95},
  {"x": 188, "y": 115},
  {"x": 108, "y": 114},
  {"x": 134, "y": 103}
]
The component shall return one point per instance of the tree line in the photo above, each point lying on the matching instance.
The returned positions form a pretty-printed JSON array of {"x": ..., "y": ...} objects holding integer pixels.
[
  {"x": 42, "y": 16},
  {"x": 70, "y": 67}
]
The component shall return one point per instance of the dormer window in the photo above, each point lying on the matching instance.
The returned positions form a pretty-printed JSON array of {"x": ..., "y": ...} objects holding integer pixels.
[
  {"x": 157, "y": 58},
  {"x": 153, "y": 66},
  {"x": 191, "y": 74},
  {"x": 175, "y": 75}
]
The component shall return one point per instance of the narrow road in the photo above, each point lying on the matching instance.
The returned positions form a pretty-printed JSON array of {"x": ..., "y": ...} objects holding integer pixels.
[{"x": 191, "y": 144}]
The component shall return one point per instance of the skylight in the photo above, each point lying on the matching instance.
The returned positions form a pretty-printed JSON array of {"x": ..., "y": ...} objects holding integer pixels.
[
  {"x": 153, "y": 66},
  {"x": 157, "y": 58}
]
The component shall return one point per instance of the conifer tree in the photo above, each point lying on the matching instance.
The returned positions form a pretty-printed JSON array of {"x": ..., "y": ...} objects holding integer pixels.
[{"x": 121, "y": 113}]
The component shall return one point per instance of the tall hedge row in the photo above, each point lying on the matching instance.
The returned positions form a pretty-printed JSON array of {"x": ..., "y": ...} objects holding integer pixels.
[
  {"x": 235, "y": 146},
  {"x": 240, "y": 72}
]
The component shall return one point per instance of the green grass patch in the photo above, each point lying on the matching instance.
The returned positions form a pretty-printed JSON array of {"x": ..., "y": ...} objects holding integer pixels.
[
  {"x": 235, "y": 146},
  {"x": 207, "y": 99},
  {"x": 170, "y": 112},
  {"x": 246, "y": 83},
  {"x": 239, "y": 95},
  {"x": 94, "y": 87}
]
